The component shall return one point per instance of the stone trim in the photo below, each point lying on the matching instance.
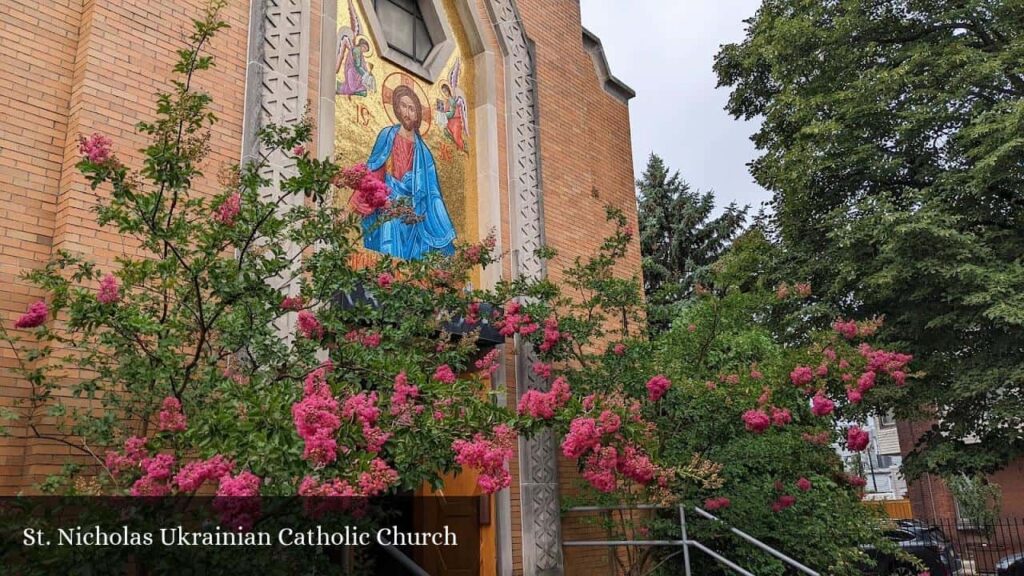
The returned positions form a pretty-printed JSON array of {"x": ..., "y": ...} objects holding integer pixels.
[
  {"x": 612, "y": 85},
  {"x": 538, "y": 456},
  {"x": 276, "y": 90},
  {"x": 440, "y": 32}
]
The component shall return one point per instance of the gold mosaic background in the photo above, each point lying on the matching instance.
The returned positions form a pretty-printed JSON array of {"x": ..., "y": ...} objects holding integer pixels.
[{"x": 358, "y": 120}]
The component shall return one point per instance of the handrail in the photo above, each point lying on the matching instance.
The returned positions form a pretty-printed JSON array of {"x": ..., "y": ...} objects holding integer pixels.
[{"x": 685, "y": 542}]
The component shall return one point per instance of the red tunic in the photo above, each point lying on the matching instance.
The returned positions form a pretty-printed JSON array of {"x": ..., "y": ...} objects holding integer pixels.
[{"x": 400, "y": 160}]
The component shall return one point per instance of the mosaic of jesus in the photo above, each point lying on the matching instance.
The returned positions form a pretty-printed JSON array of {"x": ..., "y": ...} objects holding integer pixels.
[{"x": 403, "y": 161}]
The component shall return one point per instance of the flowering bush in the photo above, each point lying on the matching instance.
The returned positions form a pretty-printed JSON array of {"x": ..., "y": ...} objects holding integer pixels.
[{"x": 769, "y": 407}]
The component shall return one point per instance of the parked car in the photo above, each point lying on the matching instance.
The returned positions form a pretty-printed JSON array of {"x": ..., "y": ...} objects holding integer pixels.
[
  {"x": 928, "y": 543},
  {"x": 1012, "y": 565}
]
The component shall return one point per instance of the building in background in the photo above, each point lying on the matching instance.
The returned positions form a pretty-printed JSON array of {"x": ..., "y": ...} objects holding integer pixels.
[
  {"x": 502, "y": 113},
  {"x": 880, "y": 463}
]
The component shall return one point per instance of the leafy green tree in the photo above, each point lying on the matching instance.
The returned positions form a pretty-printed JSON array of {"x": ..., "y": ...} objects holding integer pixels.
[
  {"x": 679, "y": 239},
  {"x": 891, "y": 139}
]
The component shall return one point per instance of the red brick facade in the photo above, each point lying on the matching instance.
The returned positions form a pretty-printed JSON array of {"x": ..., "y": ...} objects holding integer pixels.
[{"x": 930, "y": 499}]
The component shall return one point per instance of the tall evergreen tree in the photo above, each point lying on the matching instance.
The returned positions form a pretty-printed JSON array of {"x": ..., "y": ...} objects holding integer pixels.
[
  {"x": 893, "y": 140},
  {"x": 679, "y": 239}
]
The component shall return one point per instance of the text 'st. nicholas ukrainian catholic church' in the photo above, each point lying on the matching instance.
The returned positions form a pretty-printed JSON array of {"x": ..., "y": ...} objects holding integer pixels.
[{"x": 479, "y": 115}]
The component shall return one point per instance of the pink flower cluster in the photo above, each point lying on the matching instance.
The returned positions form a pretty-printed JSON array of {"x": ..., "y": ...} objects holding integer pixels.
[
  {"x": 378, "y": 479},
  {"x": 850, "y": 329},
  {"x": 333, "y": 488},
  {"x": 95, "y": 148},
  {"x": 599, "y": 468},
  {"x": 892, "y": 363},
  {"x": 857, "y": 438},
  {"x": 717, "y": 503},
  {"x": 444, "y": 374},
  {"x": 156, "y": 475},
  {"x": 192, "y": 475},
  {"x": 855, "y": 481},
  {"x": 783, "y": 502},
  {"x": 316, "y": 419},
  {"x": 385, "y": 280},
  {"x": 821, "y": 405},
  {"x": 756, "y": 421},
  {"x": 364, "y": 338},
  {"x": 515, "y": 320},
  {"x": 584, "y": 435},
  {"x": 801, "y": 376},
  {"x": 110, "y": 291},
  {"x": 369, "y": 192},
  {"x": 541, "y": 369},
  {"x": 551, "y": 335},
  {"x": 804, "y": 485},
  {"x": 403, "y": 400},
  {"x": 171, "y": 418},
  {"x": 634, "y": 464},
  {"x": 543, "y": 405},
  {"x": 609, "y": 422},
  {"x": 35, "y": 316},
  {"x": 309, "y": 326},
  {"x": 490, "y": 362},
  {"x": 781, "y": 416},
  {"x": 236, "y": 502},
  {"x": 473, "y": 313},
  {"x": 363, "y": 409},
  {"x": 847, "y": 329},
  {"x": 603, "y": 464},
  {"x": 292, "y": 303},
  {"x": 489, "y": 457},
  {"x": 134, "y": 452},
  {"x": 229, "y": 209},
  {"x": 473, "y": 254},
  {"x": 657, "y": 386},
  {"x": 619, "y": 349}
]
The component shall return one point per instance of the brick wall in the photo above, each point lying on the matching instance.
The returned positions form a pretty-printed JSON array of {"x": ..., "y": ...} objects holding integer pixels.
[
  {"x": 586, "y": 163},
  {"x": 75, "y": 67},
  {"x": 931, "y": 499}
]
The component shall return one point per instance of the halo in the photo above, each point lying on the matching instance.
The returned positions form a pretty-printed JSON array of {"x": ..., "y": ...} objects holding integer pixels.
[
  {"x": 396, "y": 79},
  {"x": 369, "y": 44}
]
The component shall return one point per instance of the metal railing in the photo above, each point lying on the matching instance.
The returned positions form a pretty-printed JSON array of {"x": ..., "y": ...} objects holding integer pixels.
[
  {"x": 685, "y": 542},
  {"x": 980, "y": 546}
]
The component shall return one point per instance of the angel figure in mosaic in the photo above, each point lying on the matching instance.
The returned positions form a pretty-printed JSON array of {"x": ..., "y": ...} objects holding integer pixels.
[
  {"x": 452, "y": 112},
  {"x": 354, "y": 72}
]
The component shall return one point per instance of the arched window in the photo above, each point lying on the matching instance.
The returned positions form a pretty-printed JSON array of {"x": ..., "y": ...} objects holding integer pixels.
[{"x": 404, "y": 27}]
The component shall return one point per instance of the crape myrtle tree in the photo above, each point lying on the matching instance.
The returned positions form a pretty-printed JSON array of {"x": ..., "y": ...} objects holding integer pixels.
[
  {"x": 891, "y": 139},
  {"x": 679, "y": 239},
  {"x": 167, "y": 373},
  {"x": 751, "y": 409}
]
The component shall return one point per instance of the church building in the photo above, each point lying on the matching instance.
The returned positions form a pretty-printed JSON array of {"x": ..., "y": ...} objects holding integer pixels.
[{"x": 502, "y": 114}]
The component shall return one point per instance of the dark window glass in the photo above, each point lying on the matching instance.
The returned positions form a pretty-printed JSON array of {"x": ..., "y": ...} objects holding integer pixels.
[{"x": 404, "y": 27}]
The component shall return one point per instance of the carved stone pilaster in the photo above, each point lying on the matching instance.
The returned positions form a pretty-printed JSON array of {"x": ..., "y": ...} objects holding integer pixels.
[
  {"x": 276, "y": 89},
  {"x": 538, "y": 457}
]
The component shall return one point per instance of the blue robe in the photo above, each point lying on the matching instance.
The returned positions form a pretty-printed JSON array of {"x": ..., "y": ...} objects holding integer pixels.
[{"x": 394, "y": 237}]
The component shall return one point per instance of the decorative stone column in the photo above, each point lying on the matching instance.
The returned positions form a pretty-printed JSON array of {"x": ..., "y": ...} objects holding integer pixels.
[
  {"x": 538, "y": 456},
  {"x": 276, "y": 89}
]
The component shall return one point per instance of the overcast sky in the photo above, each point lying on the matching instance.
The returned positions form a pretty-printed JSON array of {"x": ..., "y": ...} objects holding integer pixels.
[{"x": 664, "y": 50}]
